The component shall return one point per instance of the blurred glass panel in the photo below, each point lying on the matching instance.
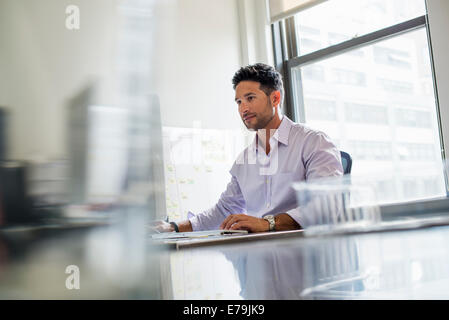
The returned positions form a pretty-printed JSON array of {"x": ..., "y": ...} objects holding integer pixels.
[{"x": 356, "y": 202}]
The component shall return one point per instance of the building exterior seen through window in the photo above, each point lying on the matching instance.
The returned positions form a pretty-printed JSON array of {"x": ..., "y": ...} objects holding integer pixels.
[{"x": 376, "y": 101}]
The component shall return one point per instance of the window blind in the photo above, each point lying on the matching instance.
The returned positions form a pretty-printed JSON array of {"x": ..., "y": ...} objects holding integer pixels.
[{"x": 280, "y": 9}]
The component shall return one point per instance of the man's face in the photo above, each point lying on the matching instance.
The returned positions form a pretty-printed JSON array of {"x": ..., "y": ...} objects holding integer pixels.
[{"x": 255, "y": 107}]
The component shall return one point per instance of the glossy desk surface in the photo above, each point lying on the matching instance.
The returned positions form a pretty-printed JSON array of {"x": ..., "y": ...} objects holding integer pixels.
[{"x": 401, "y": 264}]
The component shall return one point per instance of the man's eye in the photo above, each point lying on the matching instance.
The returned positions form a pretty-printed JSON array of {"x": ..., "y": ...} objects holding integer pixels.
[{"x": 250, "y": 98}]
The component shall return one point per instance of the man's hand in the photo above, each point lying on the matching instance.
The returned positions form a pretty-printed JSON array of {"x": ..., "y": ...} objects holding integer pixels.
[
  {"x": 161, "y": 226},
  {"x": 245, "y": 222}
]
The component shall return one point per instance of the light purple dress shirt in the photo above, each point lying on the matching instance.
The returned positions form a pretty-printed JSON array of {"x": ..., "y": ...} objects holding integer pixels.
[{"x": 262, "y": 184}]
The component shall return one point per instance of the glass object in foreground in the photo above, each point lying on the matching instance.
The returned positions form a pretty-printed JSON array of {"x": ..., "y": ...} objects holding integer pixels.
[{"x": 357, "y": 202}]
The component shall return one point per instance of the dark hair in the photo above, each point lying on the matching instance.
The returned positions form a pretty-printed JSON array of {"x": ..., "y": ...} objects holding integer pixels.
[{"x": 270, "y": 80}]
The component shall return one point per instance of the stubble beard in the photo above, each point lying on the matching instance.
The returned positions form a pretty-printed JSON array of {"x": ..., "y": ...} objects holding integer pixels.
[{"x": 262, "y": 122}]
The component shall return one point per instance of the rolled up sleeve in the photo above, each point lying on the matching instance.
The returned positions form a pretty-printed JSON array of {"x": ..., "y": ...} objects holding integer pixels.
[
  {"x": 302, "y": 216},
  {"x": 295, "y": 215},
  {"x": 231, "y": 201},
  {"x": 321, "y": 157}
]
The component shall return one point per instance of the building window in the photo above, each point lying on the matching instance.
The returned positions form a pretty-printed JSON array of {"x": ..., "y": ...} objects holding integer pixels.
[
  {"x": 360, "y": 113},
  {"x": 315, "y": 73},
  {"x": 413, "y": 118},
  {"x": 395, "y": 86},
  {"x": 370, "y": 150},
  {"x": 348, "y": 77},
  {"x": 392, "y": 57},
  {"x": 416, "y": 152},
  {"x": 321, "y": 110}
]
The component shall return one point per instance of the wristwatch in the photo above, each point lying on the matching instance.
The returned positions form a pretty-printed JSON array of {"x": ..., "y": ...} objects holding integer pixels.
[{"x": 270, "y": 219}]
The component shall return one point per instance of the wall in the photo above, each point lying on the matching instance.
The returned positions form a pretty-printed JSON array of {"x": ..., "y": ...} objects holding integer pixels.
[
  {"x": 197, "y": 51},
  {"x": 196, "y": 59},
  {"x": 44, "y": 64},
  {"x": 255, "y": 32}
]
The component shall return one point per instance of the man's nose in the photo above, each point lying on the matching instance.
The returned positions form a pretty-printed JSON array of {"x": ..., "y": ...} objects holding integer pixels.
[{"x": 244, "y": 108}]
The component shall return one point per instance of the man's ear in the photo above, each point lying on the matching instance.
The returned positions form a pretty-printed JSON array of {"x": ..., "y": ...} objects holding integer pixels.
[{"x": 275, "y": 98}]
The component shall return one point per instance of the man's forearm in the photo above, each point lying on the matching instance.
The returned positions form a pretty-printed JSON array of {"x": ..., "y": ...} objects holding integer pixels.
[{"x": 284, "y": 222}]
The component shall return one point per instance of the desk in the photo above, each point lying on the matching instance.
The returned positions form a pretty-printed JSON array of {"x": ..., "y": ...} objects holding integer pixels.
[
  {"x": 231, "y": 239},
  {"x": 409, "y": 264},
  {"x": 406, "y": 264}
]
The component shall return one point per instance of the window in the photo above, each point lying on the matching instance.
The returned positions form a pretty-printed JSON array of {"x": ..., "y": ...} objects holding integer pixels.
[
  {"x": 311, "y": 39},
  {"x": 318, "y": 109},
  {"x": 365, "y": 78},
  {"x": 395, "y": 86},
  {"x": 348, "y": 77},
  {"x": 416, "y": 152},
  {"x": 360, "y": 113},
  {"x": 370, "y": 150},
  {"x": 314, "y": 73},
  {"x": 351, "y": 19},
  {"x": 336, "y": 38},
  {"x": 413, "y": 118},
  {"x": 392, "y": 57}
]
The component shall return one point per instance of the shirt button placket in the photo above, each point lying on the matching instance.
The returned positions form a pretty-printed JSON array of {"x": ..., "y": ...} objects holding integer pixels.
[{"x": 268, "y": 195}]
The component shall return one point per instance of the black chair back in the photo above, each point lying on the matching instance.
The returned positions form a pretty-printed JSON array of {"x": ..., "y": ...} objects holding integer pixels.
[{"x": 346, "y": 161}]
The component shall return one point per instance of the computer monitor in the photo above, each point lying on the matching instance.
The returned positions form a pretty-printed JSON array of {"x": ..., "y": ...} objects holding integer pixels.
[
  {"x": 116, "y": 154},
  {"x": 145, "y": 168}
]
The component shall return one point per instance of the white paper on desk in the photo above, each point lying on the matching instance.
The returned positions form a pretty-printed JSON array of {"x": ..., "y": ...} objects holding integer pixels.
[{"x": 196, "y": 234}]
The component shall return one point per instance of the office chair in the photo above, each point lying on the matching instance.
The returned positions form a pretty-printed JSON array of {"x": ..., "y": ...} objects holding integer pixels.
[{"x": 346, "y": 161}]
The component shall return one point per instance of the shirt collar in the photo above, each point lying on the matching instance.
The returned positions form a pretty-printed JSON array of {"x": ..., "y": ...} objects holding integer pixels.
[
  {"x": 281, "y": 134},
  {"x": 283, "y": 131}
]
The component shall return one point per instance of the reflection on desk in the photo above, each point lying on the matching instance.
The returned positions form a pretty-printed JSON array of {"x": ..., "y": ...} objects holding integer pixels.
[
  {"x": 281, "y": 270},
  {"x": 390, "y": 265},
  {"x": 407, "y": 264}
]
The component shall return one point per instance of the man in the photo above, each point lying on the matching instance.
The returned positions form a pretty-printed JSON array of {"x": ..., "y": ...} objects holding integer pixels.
[{"x": 260, "y": 197}]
